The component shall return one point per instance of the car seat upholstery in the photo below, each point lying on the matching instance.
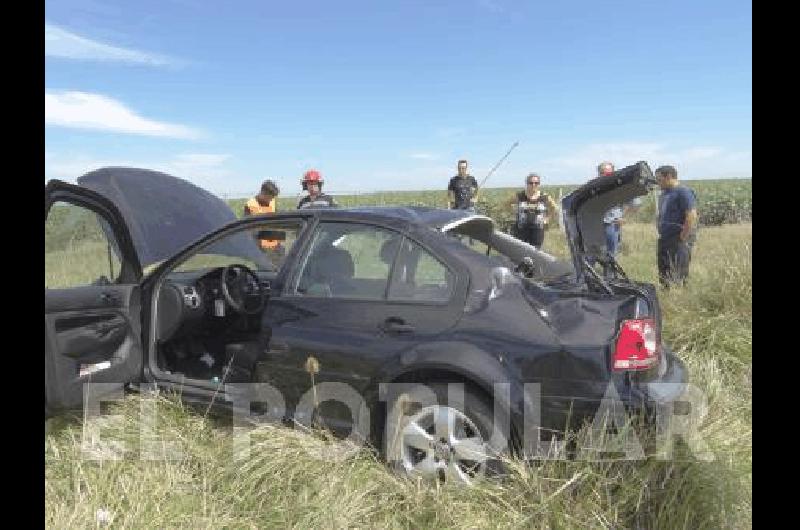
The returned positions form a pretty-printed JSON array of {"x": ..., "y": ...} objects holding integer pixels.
[
  {"x": 403, "y": 281},
  {"x": 333, "y": 270}
]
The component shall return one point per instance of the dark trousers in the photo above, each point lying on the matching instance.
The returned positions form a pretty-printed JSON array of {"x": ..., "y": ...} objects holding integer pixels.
[
  {"x": 531, "y": 234},
  {"x": 674, "y": 256}
]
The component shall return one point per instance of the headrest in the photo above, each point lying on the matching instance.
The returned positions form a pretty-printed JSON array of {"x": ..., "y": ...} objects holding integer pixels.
[
  {"x": 389, "y": 250},
  {"x": 335, "y": 263}
]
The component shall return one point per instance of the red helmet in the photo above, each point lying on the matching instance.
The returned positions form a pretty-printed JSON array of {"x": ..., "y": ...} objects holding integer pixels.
[{"x": 312, "y": 175}]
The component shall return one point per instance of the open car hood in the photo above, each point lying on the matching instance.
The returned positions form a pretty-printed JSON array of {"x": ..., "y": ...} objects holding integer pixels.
[
  {"x": 584, "y": 208},
  {"x": 164, "y": 213}
]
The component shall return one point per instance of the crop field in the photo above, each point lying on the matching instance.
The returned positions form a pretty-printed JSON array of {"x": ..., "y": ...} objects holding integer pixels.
[
  {"x": 286, "y": 483},
  {"x": 719, "y": 201}
]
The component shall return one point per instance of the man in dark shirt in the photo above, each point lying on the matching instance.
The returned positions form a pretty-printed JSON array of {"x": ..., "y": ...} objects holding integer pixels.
[
  {"x": 677, "y": 217},
  {"x": 461, "y": 189}
]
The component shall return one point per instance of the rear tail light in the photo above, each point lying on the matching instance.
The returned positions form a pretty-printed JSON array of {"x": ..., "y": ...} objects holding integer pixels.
[{"x": 637, "y": 346}]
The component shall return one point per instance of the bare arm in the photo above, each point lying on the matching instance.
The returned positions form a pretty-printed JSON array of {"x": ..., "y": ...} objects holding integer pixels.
[
  {"x": 512, "y": 201},
  {"x": 451, "y": 198},
  {"x": 688, "y": 224},
  {"x": 552, "y": 210}
]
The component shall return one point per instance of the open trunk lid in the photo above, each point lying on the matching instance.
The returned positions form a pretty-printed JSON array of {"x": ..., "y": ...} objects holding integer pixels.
[{"x": 584, "y": 208}]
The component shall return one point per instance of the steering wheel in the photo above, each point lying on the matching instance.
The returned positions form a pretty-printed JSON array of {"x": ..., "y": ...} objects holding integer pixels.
[{"x": 242, "y": 289}]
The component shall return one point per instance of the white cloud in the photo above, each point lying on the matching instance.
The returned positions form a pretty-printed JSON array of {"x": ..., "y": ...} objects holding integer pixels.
[
  {"x": 207, "y": 170},
  {"x": 202, "y": 165},
  {"x": 491, "y": 5},
  {"x": 450, "y": 133},
  {"x": 423, "y": 156},
  {"x": 61, "y": 43},
  {"x": 94, "y": 111},
  {"x": 691, "y": 162}
]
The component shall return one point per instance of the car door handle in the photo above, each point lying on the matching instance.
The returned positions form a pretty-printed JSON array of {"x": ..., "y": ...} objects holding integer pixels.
[
  {"x": 396, "y": 325},
  {"x": 108, "y": 298}
]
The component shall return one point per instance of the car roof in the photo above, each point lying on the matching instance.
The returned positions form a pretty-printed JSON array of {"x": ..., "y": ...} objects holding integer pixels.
[{"x": 434, "y": 218}]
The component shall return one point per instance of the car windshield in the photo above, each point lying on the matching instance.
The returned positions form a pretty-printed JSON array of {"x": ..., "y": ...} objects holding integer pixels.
[{"x": 218, "y": 255}]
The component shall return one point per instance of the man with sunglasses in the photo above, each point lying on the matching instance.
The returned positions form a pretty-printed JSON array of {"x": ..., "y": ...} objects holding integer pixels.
[{"x": 535, "y": 209}]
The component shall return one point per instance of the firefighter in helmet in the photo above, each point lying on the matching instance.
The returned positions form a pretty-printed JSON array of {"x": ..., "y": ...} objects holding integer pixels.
[{"x": 312, "y": 183}]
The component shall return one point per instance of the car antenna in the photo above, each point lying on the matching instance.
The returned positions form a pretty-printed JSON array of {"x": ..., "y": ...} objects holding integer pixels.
[{"x": 480, "y": 187}]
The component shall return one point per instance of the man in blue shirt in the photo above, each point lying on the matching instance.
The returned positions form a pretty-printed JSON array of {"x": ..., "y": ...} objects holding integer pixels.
[{"x": 677, "y": 217}]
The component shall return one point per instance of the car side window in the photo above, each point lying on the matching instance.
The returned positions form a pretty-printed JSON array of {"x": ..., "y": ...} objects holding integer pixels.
[
  {"x": 419, "y": 276},
  {"x": 80, "y": 248},
  {"x": 348, "y": 260}
]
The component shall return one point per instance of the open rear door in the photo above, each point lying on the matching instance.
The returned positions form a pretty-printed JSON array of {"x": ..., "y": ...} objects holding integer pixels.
[{"x": 92, "y": 318}]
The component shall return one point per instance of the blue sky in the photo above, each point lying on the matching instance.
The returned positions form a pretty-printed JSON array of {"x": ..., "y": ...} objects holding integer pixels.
[{"x": 382, "y": 95}]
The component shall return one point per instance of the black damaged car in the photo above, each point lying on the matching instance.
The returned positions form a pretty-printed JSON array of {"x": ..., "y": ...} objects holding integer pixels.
[{"x": 363, "y": 298}]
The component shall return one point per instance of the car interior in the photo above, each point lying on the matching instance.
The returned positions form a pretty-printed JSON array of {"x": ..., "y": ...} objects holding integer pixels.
[
  {"x": 331, "y": 271},
  {"x": 209, "y": 317},
  {"x": 201, "y": 334}
]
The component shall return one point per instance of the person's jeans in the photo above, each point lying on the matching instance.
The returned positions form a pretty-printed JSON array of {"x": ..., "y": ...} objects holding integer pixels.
[
  {"x": 673, "y": 257},
  {"x": 612, "y": 238}
]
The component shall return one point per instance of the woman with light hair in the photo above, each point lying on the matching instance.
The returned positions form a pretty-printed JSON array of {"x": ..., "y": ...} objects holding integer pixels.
[{"x": 535, "y": 211}]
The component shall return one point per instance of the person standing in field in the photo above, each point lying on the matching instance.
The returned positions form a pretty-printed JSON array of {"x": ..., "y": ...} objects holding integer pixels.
[
  {"x": 535, "y": 209},
  {"x": 677, "y": 218},
  {"x": 461, "y": 189},
  {"x": 613, "y": 218},
  {"x": 312, "y": 183},
  {"x": 263, "y": 203}
]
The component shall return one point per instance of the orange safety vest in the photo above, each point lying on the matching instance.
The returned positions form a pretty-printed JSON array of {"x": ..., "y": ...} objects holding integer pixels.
[{"x": 256, "y": 209}]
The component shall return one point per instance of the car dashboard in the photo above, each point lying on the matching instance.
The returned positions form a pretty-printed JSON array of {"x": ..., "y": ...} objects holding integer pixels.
[{"x": 190, "y": 300}]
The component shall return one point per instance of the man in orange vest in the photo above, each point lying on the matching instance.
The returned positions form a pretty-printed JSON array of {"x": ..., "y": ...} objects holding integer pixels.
[{"x": 263, "y": 203}]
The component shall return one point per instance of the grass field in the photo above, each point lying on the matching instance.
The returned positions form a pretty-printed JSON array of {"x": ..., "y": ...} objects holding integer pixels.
[{"x": 284, "y": 485}]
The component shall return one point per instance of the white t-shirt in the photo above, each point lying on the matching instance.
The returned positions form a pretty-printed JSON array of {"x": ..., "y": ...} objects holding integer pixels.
[{"x": 615, "y": 213}]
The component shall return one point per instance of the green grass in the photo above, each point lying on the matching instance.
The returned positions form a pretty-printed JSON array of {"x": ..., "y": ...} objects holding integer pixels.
[{"x": 284, "y": 485}]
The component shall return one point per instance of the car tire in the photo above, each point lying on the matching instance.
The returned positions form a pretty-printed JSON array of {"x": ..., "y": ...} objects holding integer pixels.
[{"x": 434, "y": 438}]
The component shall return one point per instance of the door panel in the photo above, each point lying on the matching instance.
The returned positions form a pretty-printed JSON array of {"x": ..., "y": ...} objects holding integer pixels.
[
  {"x": 83, "y": 331},
  {"x": 352, "y": 331},
  {"x": 92, "y": 332}
]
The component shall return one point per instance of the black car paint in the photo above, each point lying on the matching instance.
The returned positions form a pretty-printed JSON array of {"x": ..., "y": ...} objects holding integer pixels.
[
  {"x": 583, "y": 210},
  {"x": 508, "y": 340},
  {"x": 558, "y": 336}
]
